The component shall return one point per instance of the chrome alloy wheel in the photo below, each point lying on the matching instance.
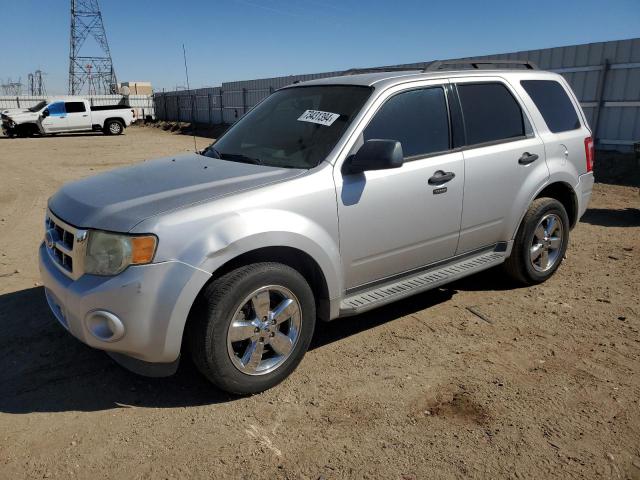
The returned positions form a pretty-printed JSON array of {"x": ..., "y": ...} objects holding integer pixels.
[
  {"x": 264, "y": 330},
  {"x": 546, "y": 245},
  {"x": 115, "y": 128}
]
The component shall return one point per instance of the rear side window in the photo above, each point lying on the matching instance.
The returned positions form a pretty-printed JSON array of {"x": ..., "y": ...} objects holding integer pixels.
[
  {"x": 554, "y": 104},
  {"x": 490, "y": 113},
  {"x": 418, "y": 119},
  {"x": 74, "y": 107}
]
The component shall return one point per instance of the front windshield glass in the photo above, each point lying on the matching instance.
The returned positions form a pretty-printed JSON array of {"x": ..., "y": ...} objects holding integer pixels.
[
  {"x": 293, "y": 128},
  {"x": 39, "y": 106}
]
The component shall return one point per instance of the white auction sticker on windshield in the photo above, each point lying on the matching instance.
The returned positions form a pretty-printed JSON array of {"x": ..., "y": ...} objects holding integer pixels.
[{"x": 321, "y": 118}]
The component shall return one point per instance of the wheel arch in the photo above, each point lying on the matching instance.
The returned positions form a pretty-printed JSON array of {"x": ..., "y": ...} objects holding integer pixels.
[
  {"x": 120, "y": 120},
  {"x": 293, "y": 257},
  {"x": 566, "y": 195}
]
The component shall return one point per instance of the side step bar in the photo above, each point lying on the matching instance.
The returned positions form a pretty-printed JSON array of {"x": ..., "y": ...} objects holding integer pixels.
[{"x": 379, "y": 295}]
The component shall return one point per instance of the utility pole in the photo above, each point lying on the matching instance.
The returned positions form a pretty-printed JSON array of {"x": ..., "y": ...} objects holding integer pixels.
[{"x": 96, "y": 72}]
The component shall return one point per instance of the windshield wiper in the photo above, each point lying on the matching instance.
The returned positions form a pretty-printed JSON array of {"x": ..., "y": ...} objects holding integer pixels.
[
  {"x": 211, "y": 149},
  {"x": 240, "y": 158}
]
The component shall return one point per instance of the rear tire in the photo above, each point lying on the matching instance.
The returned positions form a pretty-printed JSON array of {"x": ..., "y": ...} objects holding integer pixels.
[
  {"x": 113, "y": 127},
  {"x": 250, "y": 328},
  {"x": 540, "y": 243}
]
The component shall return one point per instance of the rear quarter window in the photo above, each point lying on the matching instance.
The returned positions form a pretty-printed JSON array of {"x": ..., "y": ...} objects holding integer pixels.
[
  {"x": 554, "y": 104},
  {"x": 490, "y": 112}
]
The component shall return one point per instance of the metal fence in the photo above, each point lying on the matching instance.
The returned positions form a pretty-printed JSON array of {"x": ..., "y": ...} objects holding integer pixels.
[
  {"x": 143, "y": 104},
  {"x": 604, "y": 75}
]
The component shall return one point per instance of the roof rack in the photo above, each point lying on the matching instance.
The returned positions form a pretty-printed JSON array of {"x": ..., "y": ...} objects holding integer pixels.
[
  {"x": 438, "y": 64},
  {"x": 356, "y": 71}
]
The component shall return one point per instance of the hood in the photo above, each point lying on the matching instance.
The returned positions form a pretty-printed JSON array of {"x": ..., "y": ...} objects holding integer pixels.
[
  {"x": 22, "y": 115},
  {"x": 120, "y": 199},
  {"x": 11, "y": 111}
]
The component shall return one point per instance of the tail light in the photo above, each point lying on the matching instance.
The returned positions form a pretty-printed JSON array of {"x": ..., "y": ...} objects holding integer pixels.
[
  {"x": 133, "y": 112},
  {"x": 589, "y": 153}
]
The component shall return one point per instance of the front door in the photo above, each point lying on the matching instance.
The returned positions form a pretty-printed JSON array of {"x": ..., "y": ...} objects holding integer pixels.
[
  {"x": 396, "y": 220},
  {"x": 56, "y": 121}
]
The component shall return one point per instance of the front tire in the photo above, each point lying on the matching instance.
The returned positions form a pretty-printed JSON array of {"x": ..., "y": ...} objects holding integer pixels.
[
  {"x": 250, "y": 328},
  {"x": 540, "y": 243}
]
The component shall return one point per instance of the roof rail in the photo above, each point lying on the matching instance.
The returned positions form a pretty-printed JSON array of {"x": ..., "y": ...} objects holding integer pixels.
[
  {"x": 356, "y": 71},
  {"x": 438, "y": 64}
]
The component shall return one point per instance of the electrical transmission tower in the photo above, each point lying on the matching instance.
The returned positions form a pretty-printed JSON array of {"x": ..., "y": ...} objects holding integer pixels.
[
  {"x": 12, "y": 88},
  {"x": 36, "y": 83},
  {"x": 96, "y": 70}
]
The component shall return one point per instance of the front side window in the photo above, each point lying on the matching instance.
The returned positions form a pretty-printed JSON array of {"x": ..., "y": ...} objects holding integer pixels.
[
  {"x": 74, "y": 107},
  {"x": 418, "y": 119},
  {"x": 490, "y": 113},
  {"x": 554, "y": 104},
  {"x": 293, "y": 128},
  {"x": 57, "y": 109}
]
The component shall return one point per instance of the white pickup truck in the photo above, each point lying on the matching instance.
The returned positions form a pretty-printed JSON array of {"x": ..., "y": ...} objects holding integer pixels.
[{"x": 71, "y": 114}]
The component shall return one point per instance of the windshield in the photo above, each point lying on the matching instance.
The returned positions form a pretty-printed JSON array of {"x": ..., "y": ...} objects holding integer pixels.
[
  {"x": 39, "y": 106},
  {"x": 293, "y": 128}
]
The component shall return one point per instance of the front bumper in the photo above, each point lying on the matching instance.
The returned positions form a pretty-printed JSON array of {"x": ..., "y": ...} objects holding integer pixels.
[
  {"x": 8, "y": 128},
  {"x": 151, "y": 302}
]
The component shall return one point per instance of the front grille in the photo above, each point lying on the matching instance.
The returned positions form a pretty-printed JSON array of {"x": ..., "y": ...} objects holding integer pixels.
[{"x": 65, "y": 245}]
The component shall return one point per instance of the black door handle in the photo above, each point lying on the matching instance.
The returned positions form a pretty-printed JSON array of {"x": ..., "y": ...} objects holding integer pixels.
[
  {"x": 527, "y": 158},
  {"x": 441, "y": 177}
]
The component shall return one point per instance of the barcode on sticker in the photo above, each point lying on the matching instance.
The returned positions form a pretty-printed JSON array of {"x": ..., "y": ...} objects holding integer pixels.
[{"x": 321, "y": 118}]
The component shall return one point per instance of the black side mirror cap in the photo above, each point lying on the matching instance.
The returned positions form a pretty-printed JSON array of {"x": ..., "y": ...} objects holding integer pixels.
[
  {"x": 45, "y": 112},
  {"x": 375, "y": 154}
]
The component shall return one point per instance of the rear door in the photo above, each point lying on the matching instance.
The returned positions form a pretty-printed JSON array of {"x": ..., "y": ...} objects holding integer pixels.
[
  {"x": 504, "y": 161},
  {"x": 78, "y": 117},
  {"x": 56, "y": 121}
]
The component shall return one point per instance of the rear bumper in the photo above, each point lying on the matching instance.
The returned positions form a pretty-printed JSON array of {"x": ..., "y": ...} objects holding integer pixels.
[
  {"x": 146, "y": 307},
  {"x": 583, "y": 192}
]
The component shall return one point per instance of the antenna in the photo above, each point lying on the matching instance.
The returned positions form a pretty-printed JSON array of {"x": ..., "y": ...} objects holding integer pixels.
[{"x": 193, "y": 123}]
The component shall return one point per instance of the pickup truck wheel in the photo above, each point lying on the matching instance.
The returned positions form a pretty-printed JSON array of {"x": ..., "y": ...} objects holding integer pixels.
[
  {"x": 251, "y": 327},
  {"x": 113, "y": 127},
  {"x": 540, "y": 243}
]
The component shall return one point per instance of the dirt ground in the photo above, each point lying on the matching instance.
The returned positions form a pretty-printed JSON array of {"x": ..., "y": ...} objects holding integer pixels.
[{"x": 548, "y": 386}]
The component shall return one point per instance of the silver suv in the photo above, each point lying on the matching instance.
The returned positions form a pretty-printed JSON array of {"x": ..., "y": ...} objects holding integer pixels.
[{"x": 329, "y": 198}]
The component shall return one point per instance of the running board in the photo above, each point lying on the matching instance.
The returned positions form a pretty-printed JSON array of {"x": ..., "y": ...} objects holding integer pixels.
[{"x": 396, "y": 289}]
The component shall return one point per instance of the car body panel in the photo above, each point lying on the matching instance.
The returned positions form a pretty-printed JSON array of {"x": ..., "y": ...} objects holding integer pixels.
[
  {"x": 357, "y": 228},
  {"x": 119, "y": 199}
]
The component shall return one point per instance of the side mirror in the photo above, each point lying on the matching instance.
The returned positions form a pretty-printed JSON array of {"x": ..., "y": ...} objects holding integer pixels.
[
  {"x": 45, "y": 113},
  {"x": 375, "y": 155}
]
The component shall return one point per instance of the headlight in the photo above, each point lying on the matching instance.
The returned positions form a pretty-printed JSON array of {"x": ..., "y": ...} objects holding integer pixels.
[{"x": 111, "y": 253}]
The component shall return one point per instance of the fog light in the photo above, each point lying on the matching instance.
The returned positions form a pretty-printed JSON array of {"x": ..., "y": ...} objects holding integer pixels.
[{"x": 105, "y": 326}]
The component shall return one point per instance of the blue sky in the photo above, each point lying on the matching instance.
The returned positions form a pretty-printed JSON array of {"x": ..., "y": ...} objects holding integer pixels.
[{"x": 243, "y": 39}]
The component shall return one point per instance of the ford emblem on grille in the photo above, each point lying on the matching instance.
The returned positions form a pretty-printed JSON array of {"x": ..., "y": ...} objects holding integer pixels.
[{"x": 50, "y": 238}]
